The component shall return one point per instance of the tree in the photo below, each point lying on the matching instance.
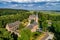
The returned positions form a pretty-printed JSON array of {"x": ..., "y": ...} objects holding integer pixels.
[
  {"x": 44, "y": 25},
  {"x": 56, "y": 25},
  {"x": 25, "y": 34},
  {"x": 5, "y": 34}
]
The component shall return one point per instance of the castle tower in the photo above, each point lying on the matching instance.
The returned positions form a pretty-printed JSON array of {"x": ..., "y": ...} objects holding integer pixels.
[
  {"x": 33, "y": 17},
  {"x": 36, "y": 17},
  {"x": 33, "y": 22}
]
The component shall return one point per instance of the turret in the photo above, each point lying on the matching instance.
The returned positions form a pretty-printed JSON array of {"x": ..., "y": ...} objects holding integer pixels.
[{"x": 37, "y": 17}]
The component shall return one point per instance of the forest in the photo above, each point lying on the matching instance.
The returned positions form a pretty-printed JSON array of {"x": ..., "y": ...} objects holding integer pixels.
[{"x": 12, "y": 15}]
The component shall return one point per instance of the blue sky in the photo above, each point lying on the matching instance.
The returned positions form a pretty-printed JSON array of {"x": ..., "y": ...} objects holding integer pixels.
[{"x": 31, "y": 4}]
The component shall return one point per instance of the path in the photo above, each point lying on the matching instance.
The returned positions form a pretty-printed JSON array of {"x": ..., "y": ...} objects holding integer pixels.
[{"x": 45, "y": 36}]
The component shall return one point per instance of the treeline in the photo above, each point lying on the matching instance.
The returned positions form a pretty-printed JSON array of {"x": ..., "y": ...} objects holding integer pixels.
[
  {"x": 11, "y": 11},
  {"x": 12, "y": 18},
  {"x": 54, "y": 16}
]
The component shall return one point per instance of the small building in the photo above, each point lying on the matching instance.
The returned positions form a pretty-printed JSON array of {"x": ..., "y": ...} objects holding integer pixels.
[{"x": 13, "y": 27}]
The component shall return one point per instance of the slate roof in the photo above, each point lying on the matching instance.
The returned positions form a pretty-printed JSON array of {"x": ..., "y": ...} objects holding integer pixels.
[
  {"x": 15, "y": 24},
  {"x": 32, "y": 17},
  {"x": 13, "y": 27},
  {"x": 31, "y": 26}
]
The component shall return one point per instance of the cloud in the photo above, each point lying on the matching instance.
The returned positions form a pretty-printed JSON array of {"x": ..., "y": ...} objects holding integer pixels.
[
  {"x": 27, "y": 0},
  {"x": 17, "y": 4},
  {"x": 52, "y": 3},
  {"x": 39, "y": 6},
  {"x": 28, "y": 5}
]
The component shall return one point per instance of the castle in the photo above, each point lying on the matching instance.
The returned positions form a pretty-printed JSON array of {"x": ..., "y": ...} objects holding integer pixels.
[
  {"x": 13, "y": 27},
  {"x": 34, "y": 25}
]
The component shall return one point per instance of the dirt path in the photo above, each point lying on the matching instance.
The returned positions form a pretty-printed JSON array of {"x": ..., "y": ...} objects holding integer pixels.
[{"x": 45, "y": 36}]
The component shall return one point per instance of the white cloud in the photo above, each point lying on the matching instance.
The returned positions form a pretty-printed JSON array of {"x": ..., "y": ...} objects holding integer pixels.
[
  {"x": 52, "y": 3},
  {"x": 29, "y": 5},
  {"x": 17, "y": 0},
  {"x": 27, "y": 0},
  {"x": 11, "y": 6},
  {"x": 39, "y": 6},
  {"x": 15, "y": 5}
]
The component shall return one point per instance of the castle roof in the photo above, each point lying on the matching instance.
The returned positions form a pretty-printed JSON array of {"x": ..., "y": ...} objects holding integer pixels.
[
  {"x": 31, "y": 26},
  {"x": 15, "y": 24},
  {"x": 32, "y": 16},
  {"x": 13, "y": 27}
]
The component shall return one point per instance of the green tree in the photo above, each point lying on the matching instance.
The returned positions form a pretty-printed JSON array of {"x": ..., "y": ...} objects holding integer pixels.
[
  {"x": 5, "y": 34},
  {"x": 25, "y": 34},
  {"x": 45, "y": 25}
]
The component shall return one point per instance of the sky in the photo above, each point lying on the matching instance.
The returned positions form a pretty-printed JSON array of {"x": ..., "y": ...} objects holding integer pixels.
[{"x": 31, "y": 4}]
